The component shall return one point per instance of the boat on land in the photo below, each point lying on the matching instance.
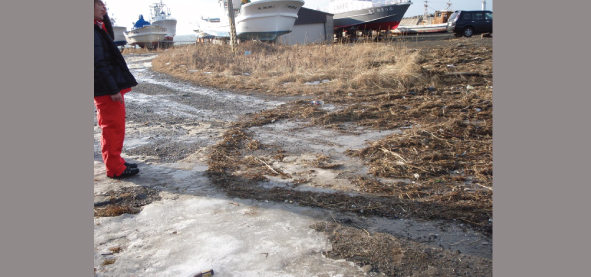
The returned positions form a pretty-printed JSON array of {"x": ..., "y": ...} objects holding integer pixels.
[
  {"x": 201, "y": 36},
  {"x": 367, "y": 15},
  {"x": 161, "y": 17},
  {"x": 145, "y": 35},
  {"x": 264, "y": 20},
  {"x": 213, "y": 28},
  {"x": 159, "y": 33},
  {"x": 119, "y": 32},
  {"x": 435, "y": 23}
]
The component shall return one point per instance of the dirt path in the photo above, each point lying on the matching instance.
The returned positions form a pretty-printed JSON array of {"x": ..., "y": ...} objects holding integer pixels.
[{"x": 173, "y": 127}]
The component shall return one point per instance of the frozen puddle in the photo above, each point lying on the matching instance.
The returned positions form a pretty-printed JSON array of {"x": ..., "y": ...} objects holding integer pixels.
[
  {"x": 317, "y": 143},
  {"x": 162, "y": 106},
  {"x": 223, "y": 105},
  {"x": 142, "y": 75},
  {"x": 218, "y": 95},
  {"x": 204, "y": 104},
  {"x": 195, "y": 227},
  {"x": 294, "y": 136},
  {"x": 235, "y": 238}
]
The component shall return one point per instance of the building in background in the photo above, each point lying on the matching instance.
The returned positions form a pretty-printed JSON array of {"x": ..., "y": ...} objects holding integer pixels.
[{"x": 312, "y": 26}]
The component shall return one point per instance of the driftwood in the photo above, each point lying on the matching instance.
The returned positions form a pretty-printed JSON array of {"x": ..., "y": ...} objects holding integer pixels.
[{"x": 268, "y": 166}]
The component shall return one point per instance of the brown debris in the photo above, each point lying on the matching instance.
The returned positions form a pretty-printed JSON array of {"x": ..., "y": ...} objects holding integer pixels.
[
  {"x": 380, "y": 252},
  {"x": 126, "y": 200}
]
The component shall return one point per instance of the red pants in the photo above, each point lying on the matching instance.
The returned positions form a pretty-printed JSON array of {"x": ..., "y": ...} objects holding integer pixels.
[{"x": 111, "y": 120}]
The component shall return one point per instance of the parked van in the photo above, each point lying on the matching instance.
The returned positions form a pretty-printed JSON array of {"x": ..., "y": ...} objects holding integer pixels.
[{"x": 467, "y": 23}]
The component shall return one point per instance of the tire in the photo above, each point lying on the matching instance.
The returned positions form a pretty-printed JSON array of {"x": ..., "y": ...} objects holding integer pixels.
[{"x": 468, "y": 32}]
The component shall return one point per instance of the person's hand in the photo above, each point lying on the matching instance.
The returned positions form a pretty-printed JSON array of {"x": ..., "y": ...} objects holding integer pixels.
[{"x": 117, "y": 97}]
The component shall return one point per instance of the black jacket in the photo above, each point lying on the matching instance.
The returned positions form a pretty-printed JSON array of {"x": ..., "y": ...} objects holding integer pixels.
[
  {"x": 111, "y": 74},
  {"x": 109, "y": 26}
]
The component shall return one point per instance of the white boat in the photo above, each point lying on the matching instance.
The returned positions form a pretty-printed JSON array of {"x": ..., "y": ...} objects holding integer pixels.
[
  {"x": 159, "y": 33},
  {"x": 119, "y": 32},
  {"x": 161, "y": 17},
  {"x": 147, "y": 36},
  {"x": 429, "y": 24},
  {"x": 202, "y": 37},
  {"x": 257, "y": 20},
  {"x": 213, "y": 28},
  {"x": 267, "y": 19}
]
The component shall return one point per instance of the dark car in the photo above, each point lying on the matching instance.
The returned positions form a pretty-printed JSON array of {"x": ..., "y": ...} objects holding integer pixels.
[{"x": 467, "y": 23}]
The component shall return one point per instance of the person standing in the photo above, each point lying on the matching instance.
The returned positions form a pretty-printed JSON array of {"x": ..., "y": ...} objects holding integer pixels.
[{"x": 112, "y": 79}]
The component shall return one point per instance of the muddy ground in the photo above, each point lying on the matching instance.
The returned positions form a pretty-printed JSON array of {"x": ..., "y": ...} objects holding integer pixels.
[{"x": 405, "y": 175}]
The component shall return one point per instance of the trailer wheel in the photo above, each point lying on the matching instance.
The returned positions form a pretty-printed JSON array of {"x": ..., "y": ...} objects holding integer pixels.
[{"x": 468, "y": 32}]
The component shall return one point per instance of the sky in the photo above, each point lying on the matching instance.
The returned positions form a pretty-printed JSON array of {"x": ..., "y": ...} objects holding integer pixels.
[{"x": 187, "y": 12}]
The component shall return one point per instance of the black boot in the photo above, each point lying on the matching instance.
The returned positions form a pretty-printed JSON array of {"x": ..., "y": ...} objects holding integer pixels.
[{"x": 129, "y": 171}]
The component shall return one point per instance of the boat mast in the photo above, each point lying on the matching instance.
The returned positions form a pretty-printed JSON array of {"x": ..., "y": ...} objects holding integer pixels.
[
  {"x": 159, "y": 11},
  {"x": 426, "y": 19}
]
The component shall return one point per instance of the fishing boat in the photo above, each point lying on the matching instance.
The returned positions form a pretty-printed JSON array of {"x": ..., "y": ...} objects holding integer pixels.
[
  {"x": 213, "y": 28},
  {"x": 145, "y": 35},
  {"x": 201, "y": 36},
  {"x": 267, "y": 19},
  {"x": 159, "y": 33},
  {"x": 254, "y": 20},
  {"x": 435, "y": 23},
  {"x": 369, "y": 15},
  {"x": 119, "y": 32},
  {"x": 161, "y": 17}
]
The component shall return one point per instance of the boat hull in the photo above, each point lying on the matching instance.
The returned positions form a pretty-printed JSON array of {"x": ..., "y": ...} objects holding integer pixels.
[
  {"x": 385, "y": 17},
  {"x": 267, "y": 20},
  {"x": 427, "y": 28},
  {"x": 147, "y": 36},
  {"x": 218, "y": 30},
  {"x": 262, "y": 20},
  {"x": 119, "y": 38},
  {"x": 170, "y": 25}
]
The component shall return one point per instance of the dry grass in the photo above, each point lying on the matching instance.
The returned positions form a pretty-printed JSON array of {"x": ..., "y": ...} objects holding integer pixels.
[
  {"x": 115, "y": 249},
  {"x": 127, "y": 51},
  {"x": 114, "y": 210},
  {"x": 287, "y": 69},
  {"x": 109, "y": 261},
  {"x": 126, "y": 200}
]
